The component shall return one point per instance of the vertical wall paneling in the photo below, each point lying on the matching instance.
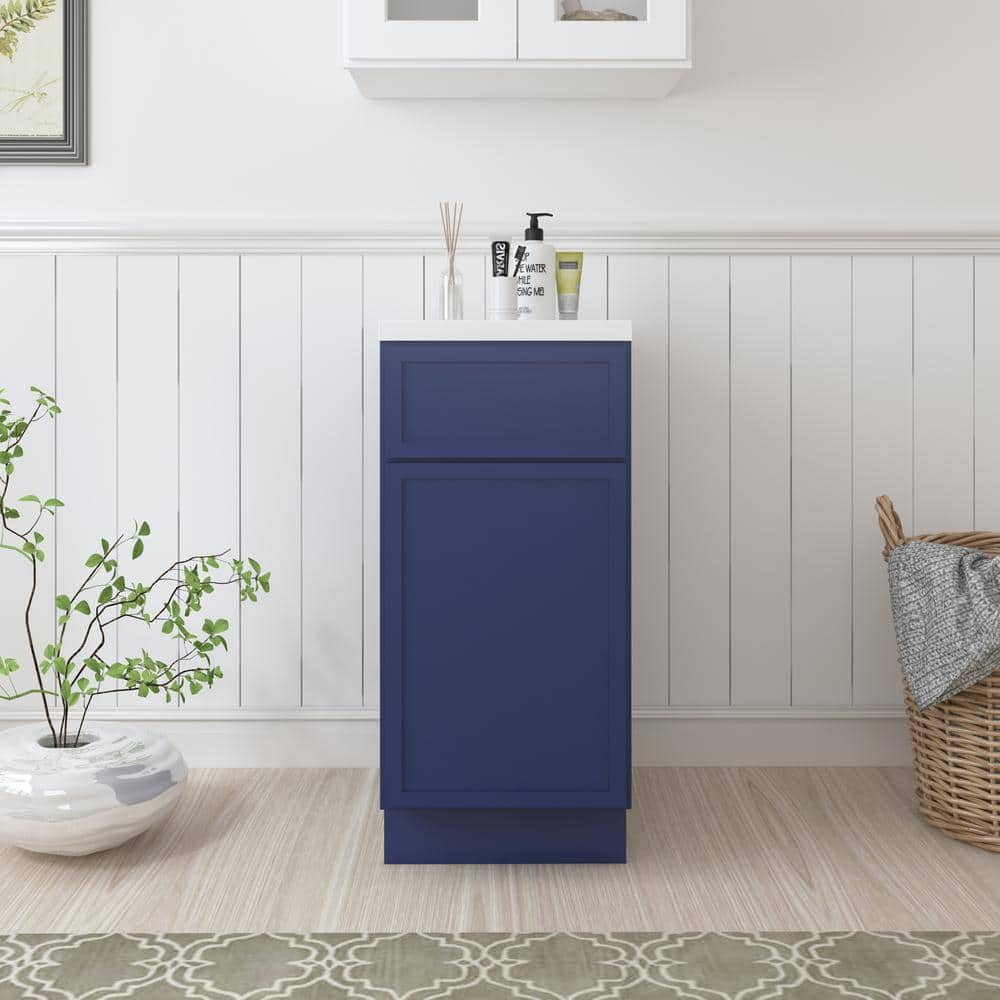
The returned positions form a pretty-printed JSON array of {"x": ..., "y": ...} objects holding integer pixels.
[
  {"x": 699, "y": 480},
  {"x": 209, "y": 439},
  {"x": 147, "y": 439},
  {"x": 271, "y": 647},
  {"x": 761, "y": 558},
  {"x": 821, "y": 480},
  {"x": 86, "y": 433},
  {"x": 883, "y": 459},
  {"x": 637, "y": 290},
  {"x": 987, "y": 436},
  {"x": 594, "y": 287},
  {"x": 393, "y": 289},
  {"x": 28, "y": 322},
  {"x": 473, "y": 269},
  {"x": 943, "y": 385},
  {"x": 331, "y": 481}
]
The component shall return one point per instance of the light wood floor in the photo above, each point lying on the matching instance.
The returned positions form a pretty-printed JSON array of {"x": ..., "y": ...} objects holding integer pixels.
[{"x": 711, "y": 849}]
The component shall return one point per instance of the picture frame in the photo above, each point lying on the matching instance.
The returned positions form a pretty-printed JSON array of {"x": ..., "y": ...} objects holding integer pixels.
[{"x": 45, "y": 120}]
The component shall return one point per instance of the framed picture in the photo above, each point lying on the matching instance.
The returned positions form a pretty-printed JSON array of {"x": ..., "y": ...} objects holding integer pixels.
[{"x": 43, "y": 81}]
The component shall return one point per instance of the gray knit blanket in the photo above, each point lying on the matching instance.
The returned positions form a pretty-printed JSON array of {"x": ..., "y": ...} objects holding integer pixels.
[{"x": 946, "y": 610}]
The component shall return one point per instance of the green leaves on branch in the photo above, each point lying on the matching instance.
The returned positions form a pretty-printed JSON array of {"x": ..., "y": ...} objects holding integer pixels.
[
  {"x": 110, "y": 602},
  {"x": 17, "y": 18}
]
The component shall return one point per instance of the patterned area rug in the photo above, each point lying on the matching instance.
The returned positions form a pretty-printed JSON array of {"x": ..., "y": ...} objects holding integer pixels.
[{"x": 502, "y": 967}]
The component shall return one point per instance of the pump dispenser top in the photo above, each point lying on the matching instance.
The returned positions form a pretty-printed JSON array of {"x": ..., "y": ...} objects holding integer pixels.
[{"x": 534, "y": 232}]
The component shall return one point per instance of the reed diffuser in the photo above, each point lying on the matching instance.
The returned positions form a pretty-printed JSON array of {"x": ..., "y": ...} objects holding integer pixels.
[{"x": 452, "y": 291}]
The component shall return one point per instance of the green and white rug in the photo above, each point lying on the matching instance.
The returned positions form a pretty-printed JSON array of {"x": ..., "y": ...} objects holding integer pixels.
[{"x": 887, "y": 966}]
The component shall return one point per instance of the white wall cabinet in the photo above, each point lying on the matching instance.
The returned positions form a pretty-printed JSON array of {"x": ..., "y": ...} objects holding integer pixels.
[{"x": 514, "y": 49}]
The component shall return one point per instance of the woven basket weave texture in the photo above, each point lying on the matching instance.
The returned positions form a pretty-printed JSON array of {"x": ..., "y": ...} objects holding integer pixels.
[{"x": 956, "y": 744}]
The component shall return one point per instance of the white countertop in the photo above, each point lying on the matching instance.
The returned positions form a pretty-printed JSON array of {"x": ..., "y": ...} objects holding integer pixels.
[{"x": 512, "y": 330}]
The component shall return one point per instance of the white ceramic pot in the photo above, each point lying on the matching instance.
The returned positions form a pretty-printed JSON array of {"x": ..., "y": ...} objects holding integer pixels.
[{"x": 79, "y": 801}]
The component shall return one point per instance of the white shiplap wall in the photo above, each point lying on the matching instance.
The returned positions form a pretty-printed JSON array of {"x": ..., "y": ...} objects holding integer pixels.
[{"x": 220, "y": 396}]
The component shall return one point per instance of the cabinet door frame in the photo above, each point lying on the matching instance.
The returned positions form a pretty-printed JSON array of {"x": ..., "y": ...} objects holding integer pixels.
[
  {"x": 370, "y": 35},
  {"x": 555, "y": 358},
  {"x": 663, "y": 36},
  {"x": 617, "y": 793}
]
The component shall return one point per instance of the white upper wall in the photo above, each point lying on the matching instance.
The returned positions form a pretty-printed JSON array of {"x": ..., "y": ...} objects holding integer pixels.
[{"x": 811, "y": 113}]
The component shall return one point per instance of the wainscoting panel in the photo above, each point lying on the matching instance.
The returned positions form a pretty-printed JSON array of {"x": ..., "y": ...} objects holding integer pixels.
[
  {"x": 943, "y": 400},
  {"x": 28, "y": 337},
  {"x": 209, "y": 437},
  {"x": 821, "y": 480},
  {"x": 883, "y": 459},
  {"x": 148, "y": 466},
  {"x": 761, "y": 484},
  {"x": 220, "y": 395},
  {"x": 699, "y": 480},
  {"x": 332, "y": 465},
  {"x": 987, "y": 436},
  {"x": 271, "y": 476},
  {"x": 86, "y": 386}
]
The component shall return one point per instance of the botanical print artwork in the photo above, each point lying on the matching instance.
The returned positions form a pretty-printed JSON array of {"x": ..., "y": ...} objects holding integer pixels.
[
  {"x": 31, "y": 68},
  {"x": 892, "y": 965}
]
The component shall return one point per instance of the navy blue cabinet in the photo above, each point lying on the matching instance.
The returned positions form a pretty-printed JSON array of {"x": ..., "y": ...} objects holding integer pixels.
[{"x": 505, "y": 601}]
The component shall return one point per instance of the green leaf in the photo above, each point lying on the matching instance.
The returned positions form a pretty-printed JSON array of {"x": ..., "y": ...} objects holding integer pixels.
[
  {"x": 168, "y": 627},
  {"x": 137, "y": 549},
  {"x": 94, "y": 560},
  {"x": 83, "y": 607},
  {"x": 62, "y": 602},
  {"x": 106, "y": 594},
  {"x": 144, "y": 529},
  {"x": 30, "y": 498},
  {"x": 53, "y": 502},
  {"x": 221, "y": 625}
]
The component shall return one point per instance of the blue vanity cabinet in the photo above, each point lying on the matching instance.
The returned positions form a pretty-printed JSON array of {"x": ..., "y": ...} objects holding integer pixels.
[{"x": 505, "y": 601}]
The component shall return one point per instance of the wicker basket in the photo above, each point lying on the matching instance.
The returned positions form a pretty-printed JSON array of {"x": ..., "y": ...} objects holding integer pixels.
[{"x": 956, "y": 744}]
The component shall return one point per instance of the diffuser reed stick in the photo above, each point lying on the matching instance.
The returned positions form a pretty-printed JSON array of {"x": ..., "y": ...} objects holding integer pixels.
[
  {"x": 451, "y": 286},
  {"x": 451, "y": 220}
]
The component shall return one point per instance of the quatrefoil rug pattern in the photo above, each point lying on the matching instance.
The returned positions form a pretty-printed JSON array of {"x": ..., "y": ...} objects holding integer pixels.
[{"x": 700, "y": 966}]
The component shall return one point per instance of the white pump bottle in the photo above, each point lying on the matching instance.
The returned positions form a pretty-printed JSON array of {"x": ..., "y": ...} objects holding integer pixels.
[{"x": 536, "y": 276}]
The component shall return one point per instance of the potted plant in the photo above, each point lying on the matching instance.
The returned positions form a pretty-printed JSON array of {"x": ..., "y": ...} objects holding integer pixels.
[{"x": 69, "y": 786}]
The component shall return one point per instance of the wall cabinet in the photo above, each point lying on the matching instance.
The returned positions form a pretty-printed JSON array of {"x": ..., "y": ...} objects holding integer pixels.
[
  {"x": 514, "y": 48},
  {"x": 505, "y": 570}
]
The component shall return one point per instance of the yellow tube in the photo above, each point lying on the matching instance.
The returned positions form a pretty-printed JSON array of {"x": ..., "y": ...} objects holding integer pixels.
[{"x": 569, "y": 271}]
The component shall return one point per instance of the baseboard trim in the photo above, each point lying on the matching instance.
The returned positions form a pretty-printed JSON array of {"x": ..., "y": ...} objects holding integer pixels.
[{"x": 675, "y": 737}]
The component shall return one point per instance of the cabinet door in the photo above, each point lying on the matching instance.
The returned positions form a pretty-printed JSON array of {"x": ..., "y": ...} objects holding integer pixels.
[
  {"x": 505, "y": 635},
  {"x": 660, "y": 33},
  {"x": 430, "y": 29}
]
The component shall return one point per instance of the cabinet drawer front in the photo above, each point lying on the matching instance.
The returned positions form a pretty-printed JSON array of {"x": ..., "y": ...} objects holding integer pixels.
[
  {"x": 660, "y": 34},
  {"x": 382, "y": 30},
  {"x": 509, "y": 401},
  {"x": 505, "y": 635}
]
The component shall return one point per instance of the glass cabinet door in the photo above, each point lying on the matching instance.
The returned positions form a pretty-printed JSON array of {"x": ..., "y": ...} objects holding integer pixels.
[
  {"x": 432, "y": 29},
  {"x": 656, "y": 30}
]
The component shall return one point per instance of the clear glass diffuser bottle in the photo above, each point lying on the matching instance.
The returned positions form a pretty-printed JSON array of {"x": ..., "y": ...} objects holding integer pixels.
[{"x": 452, "y": 294}]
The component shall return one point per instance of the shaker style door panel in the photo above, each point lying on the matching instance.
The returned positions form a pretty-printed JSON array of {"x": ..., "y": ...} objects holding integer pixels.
[
  {"x": 505, "y": 400},
  {"x": 431, "y": 29},
  {"x": 504, "y": 635},
  {"x": 660, "y": 32}
]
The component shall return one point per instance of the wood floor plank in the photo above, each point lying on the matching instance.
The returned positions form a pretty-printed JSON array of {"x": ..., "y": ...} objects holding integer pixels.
[{"x": 710, "y": 849}]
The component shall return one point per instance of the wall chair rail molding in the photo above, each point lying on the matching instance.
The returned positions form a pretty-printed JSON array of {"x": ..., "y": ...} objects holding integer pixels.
[{"x": 353, "y": 238}]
